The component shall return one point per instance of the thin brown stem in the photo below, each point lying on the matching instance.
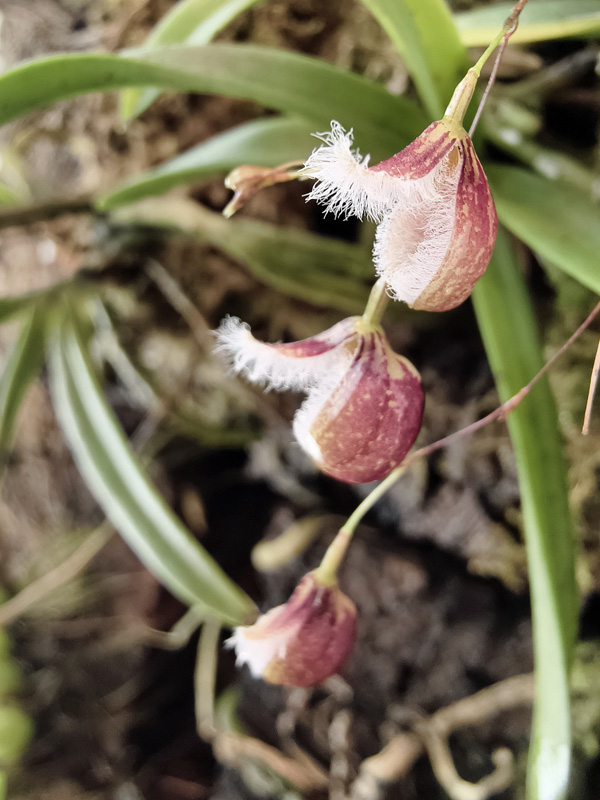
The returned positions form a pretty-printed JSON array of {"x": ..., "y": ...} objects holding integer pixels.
[
  {"x": 499, "y": 413},
  {"x": 510, "y": 26},
  {"x": 592, "y": 391}
]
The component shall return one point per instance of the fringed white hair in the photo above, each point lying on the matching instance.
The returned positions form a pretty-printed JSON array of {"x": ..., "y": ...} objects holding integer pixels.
[
  {"x": 412, "y": 241},
  {"x": 258, "y": 652},
  {"x": 344, "y": 183},
  {"x": 264, "y": 363}
]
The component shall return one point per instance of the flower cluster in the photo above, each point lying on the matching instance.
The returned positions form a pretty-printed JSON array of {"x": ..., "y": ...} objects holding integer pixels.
[{"x": 436, "y": 232}]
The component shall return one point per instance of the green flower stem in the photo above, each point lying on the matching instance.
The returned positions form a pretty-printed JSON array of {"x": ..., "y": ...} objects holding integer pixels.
[
  {"x": 457, "y": 108},
  {"x": 327, "y": 571},
  {"x": 378, "y": 300}
]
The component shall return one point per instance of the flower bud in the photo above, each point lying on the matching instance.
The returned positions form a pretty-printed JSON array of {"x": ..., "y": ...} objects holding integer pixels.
[
  {"x": 365, "y": 403},
  {"x": 248, "y": 179},
  {"x": 437, "y": 217},
  {"x": 303, "y": 641}
]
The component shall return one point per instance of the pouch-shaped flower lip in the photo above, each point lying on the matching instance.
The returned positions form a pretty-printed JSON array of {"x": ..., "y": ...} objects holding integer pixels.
[
  {"x": 303, "y": 641},
  {"x": 437, "y": 217},
  {"x": 365, "y": 403}
]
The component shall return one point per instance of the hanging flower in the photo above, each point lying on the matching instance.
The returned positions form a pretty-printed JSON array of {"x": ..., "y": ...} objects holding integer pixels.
[
  {"x": 365, "y": 403},
  {"x": 437, "y": 217},
  {"x": 302, "y": 642}
]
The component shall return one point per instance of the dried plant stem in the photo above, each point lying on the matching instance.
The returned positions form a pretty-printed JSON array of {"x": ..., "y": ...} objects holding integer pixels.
[
  {"x": 178, "y": 636},
  {"x": 592, "y": 391},
  {"x": 37, "y": 591},
  {"x": 28, "y": 215},
  {"x": 499, "y": 413},
  {"x": 431, "y": 734}
]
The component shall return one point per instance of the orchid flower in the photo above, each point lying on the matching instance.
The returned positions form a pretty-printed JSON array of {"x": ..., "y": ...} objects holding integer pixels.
[
  {"x": 303, "y": 641},
  {"x": 437, "y": 220},
  {"x": 364, "y": 405}
]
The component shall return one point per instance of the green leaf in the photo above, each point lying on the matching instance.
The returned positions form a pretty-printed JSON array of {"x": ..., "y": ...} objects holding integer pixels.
[
  {"x": 12, "y": 306},
  {"x": 120, "y": 485},
  {"x": 264, "y": 142},
  {"x": 7, "y": 196},
  {"x": 557, "y": 220},
  {"x": 539, "y": 21},
  {"x": 313, "y": 268},
  {"x": 191, "y": 21},
  {"x": 277, "y": 79},
  {"x": 511, "y": 340},
  {"x": 22, "y": 367},
  {"x": 424, "y": 34}
]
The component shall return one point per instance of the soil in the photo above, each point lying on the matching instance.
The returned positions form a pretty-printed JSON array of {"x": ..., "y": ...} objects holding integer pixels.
[{"x": 438, "y": 571}]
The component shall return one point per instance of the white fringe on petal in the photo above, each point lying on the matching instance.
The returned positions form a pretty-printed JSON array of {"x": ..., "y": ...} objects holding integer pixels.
[
  {"x": 412, "y": 241},
  {"x": 258, "y": 652},
  {"x": 343, "y": 181},
  {"x": 263, "y": 363},
  {"x": 311, "y": 407}
]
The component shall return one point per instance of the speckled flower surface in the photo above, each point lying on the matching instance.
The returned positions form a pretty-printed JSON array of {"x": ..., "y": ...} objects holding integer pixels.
[
  {"x": 364, "y": 405},
  {"x": 437, "y": 219},
  {"x": 303, "y": 641}
]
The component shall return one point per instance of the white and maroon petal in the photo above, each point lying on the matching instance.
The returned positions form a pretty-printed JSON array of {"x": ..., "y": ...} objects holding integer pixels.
[
  {"x": 303, "y": 641},
  {"x": 294, "y": 366},
  {"x": 472, "y": 242},
  {"x": 412, "y": 241},
  {"x": 362, "y": 427},
  {"x": 344, "y": 181},
  {"x": 433, "y": 252},
  {"x": 423, "y": 155}
]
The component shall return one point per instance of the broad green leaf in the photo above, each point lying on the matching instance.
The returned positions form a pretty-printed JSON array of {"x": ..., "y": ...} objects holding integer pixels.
[
  {"x": 540, "y": 20},
  {"x": 120, "y": 485},
  {"x": 511, "y": 340},
  {"x": 314, "y": 268},
  {"x": 425, "y": 36},
  {"x": 264, "y": 142},
  {"x": 7, "y": 196},
  {"x": 557, "y": 220},
  {"x": 276, "y": 79},
  {"x": 23, "y": 366},
  {"x": 190, "y": 21},
  {"x": 545, "y": 161}
]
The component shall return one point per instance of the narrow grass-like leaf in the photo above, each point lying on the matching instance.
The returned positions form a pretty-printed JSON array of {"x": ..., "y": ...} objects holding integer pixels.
[
  {"x": 511, "y": 341},
  {"x": 23, "y": 366},
  {"x": 314, "y": 268},
  {"x": 557, "y": 220},
  {"x": 277, "y": 79},
  {"x": 124, "y": 491},
  {"x": 264, "y": 142},
  {"x": 539, "y": 21},
  {"x": 424, "y": 34},
  {"x": 11, "y": 306},
  {"x": 191, "y": 21}
]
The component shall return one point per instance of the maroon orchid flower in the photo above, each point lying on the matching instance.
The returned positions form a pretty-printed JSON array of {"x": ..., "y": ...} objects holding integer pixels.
[
  {"x": 364, "y": 405},
  {"x": 437, "y": 217},
  {"x": 302, "y": 642}
]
